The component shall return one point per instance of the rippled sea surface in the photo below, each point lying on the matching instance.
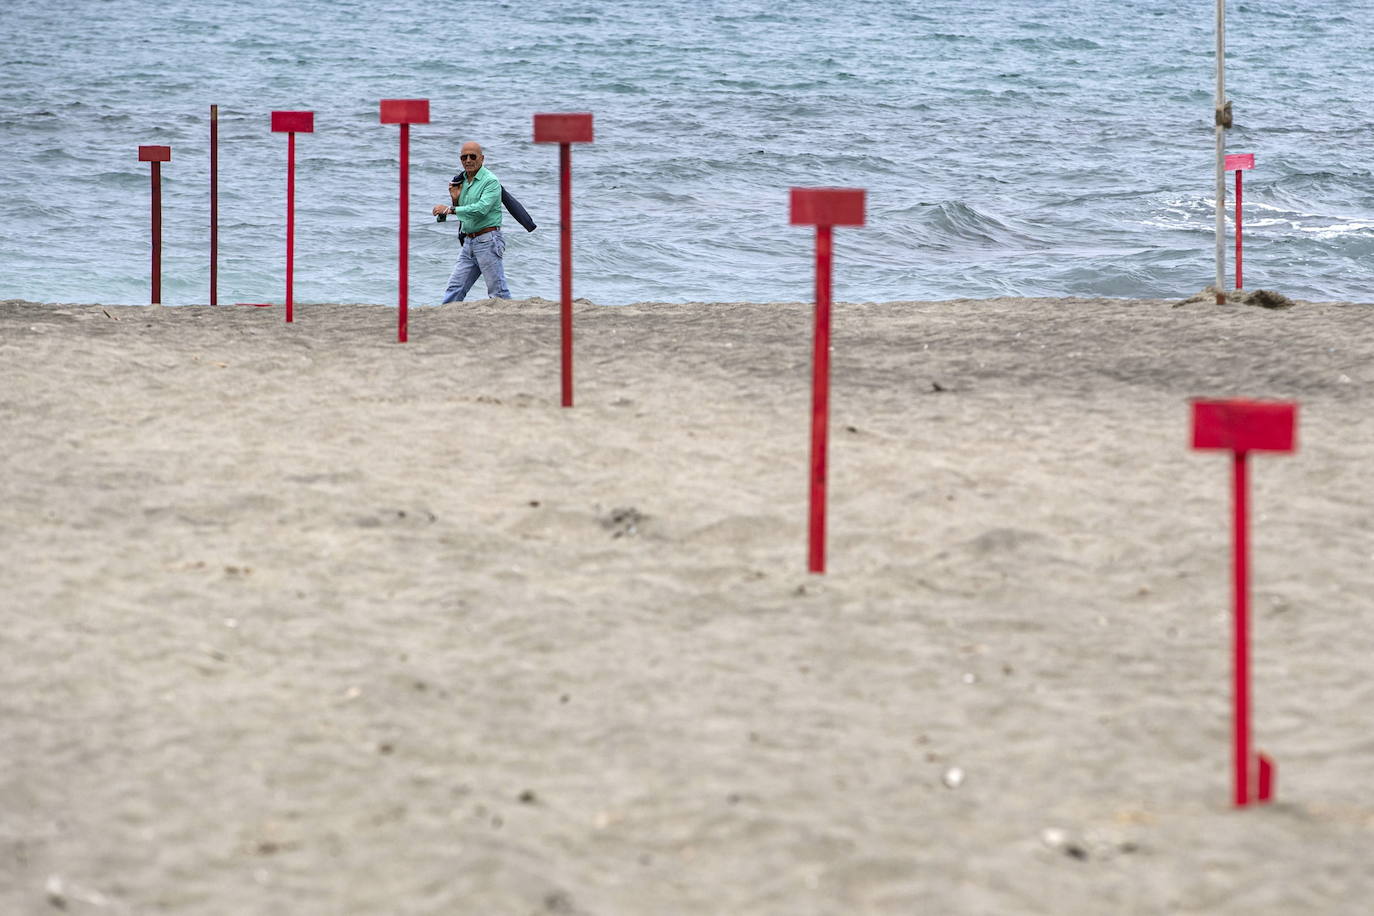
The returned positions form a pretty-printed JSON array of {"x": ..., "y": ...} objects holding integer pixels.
[{"x": 1062, "y": 147}]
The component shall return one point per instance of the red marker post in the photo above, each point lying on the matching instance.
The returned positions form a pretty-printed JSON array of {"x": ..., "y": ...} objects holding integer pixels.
[
  {"x": 565, "y": 130},
  {"x": 156, "y": 155},
  {"x": 1239, "y": 163},
  {"x": 823, "y": 208},
  {"x": 1242, "y": 427},
  {"x": 404, "y": 112},
  {"x": 291, "y": 123},
  {"x": 214, "y": 204}
]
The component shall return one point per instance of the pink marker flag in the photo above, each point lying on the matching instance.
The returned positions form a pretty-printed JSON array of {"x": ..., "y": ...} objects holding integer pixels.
[
  {"x": 565, "y": 129},
  {"x": 1238, "y": 163},
  {"x": 291, "y": 123},
  {"x": 156, "y": 155},
  {"x": 1242, "y": 427},
  {"x": 404, "y": 112},
  {"x": 823, "y": 208}
]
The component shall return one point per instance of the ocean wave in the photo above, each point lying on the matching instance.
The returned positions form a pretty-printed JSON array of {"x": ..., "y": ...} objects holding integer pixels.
[
  {"x": 1056, "y": 43},
  {"x": 953, "y": 225},
  {"x": 993, "y": 164}
]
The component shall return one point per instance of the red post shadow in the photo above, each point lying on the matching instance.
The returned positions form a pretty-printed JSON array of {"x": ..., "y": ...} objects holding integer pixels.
[
  {"x": 565, "y": 129},
  {"x": 824, "y": 208},
  {"x": 156, "y": 155},
  {"x": 404, "y": 112},
  {"x": 291, "y": 123},
  {"x": 1242, "y": 427}
]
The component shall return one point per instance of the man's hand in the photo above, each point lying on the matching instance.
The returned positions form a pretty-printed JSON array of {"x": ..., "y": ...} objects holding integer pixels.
[{"x": 440, "y": 209}]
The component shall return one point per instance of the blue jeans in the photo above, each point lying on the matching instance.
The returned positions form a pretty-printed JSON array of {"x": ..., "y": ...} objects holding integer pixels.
[{"x": 481, "y": 255}]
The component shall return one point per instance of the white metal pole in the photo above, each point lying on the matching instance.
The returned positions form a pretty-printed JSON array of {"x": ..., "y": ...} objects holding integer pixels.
[{"x": 1221, "y": 151}]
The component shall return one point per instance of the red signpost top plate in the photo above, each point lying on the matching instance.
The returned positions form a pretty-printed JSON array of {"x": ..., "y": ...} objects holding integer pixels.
[
  {"x": 827, "y": 206},
  {"x": 405, "y": 111},
  {"x": 154, "y": 154},
  {"x": 1244, "y": 426},
  {"x": 563, "y": 128},
  {"x": 1240, "y": 161},
  {"x": 295, "y": 122}
]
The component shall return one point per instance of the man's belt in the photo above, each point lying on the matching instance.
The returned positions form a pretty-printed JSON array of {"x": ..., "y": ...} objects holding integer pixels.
[{"x": 483, "y": 231}]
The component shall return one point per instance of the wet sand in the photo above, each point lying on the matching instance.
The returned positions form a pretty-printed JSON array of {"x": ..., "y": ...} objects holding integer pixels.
[{"x": 300, "y": 620}]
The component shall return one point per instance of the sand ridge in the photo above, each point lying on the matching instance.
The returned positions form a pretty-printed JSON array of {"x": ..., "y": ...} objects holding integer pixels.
[{"x": 298, "y": 619}]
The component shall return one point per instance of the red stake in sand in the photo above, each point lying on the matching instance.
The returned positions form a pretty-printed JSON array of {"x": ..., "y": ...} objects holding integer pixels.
[
  {"x": 1242, "y": 427},
  {"x": 823, "y": 208},
  {"x": 565, "y": 129},
  {"x": 291, "y": 123},
  {"x": 156, "y": 155},
  {"x": 404, "y": 112},
  {"x": 1239, "y": 163},
  {"x": 214, "y": 204}
]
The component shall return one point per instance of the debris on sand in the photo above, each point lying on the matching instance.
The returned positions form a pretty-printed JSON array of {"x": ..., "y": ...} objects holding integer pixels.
[
  {"x": 1264, "y": 298},
  {"x": 624, "y": 522}
]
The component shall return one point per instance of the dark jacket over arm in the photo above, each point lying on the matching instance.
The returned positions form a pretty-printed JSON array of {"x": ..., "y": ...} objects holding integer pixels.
[{"x": 517, "y": 212}]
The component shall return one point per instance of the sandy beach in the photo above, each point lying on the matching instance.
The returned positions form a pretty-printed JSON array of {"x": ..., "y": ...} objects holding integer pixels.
[{"x": 300, "y": 620}]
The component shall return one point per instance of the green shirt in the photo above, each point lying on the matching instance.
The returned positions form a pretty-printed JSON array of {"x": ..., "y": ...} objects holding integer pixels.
[{"x": 479, "y": 203}]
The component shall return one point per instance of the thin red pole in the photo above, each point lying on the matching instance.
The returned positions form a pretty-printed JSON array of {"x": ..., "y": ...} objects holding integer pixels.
[
  {"x": 1241, "y": 661},
  {"x": 403, "y": 316},
  {"x": 214, "y": 204},
  {"x": 290, "y": 220},
  {"x": 157, "y": 233},
  {"x": 820, "y": 399},
  {"x": 565, "y": 252},
  {"x": 1238, "y": 282}
]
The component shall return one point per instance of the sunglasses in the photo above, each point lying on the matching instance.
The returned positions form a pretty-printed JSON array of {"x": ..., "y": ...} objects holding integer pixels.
[{"x": 466, "y": 156}]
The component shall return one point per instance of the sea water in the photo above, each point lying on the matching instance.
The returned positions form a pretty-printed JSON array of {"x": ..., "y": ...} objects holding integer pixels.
[{"x": 1060, "y": 147}]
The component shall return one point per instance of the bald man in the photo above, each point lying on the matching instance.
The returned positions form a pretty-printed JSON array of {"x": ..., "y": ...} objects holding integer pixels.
[{"x": 476, "y": 200}]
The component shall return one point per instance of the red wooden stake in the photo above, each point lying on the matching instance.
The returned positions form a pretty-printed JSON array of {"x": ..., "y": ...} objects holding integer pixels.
[
  {"x": 290, "y": 222},
  {"x": 1239, "y": 284},
  {"x": 565, "y": 269},
  {"x": 214, "y": 204},
  {"x": 1240, "y": 640},
  {"x": 157, "y": 232},
  {"x": 403, "y": 241},
  {"x": 291, "y": 122},
  {"x": 565, "y": 130},
  {"x": 1239, "y": 162},
  {"x": 820, "y": 400},
  {"x": 404, "y": 112},
  {"x": 156, "y": 155},
  {"x": 1242, "y": 427},
  {"x": 824, "y": 208}
]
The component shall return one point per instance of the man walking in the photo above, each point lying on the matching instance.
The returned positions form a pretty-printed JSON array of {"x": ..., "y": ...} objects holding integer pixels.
[{"x": 476, "y": 200}]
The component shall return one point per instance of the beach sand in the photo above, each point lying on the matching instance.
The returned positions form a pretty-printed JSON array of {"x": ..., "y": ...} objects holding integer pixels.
[{"x": 299, "y": 620}]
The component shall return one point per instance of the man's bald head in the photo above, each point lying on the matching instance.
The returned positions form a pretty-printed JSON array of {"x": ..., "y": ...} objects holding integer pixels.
[{"x": 472, "y": 157}]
